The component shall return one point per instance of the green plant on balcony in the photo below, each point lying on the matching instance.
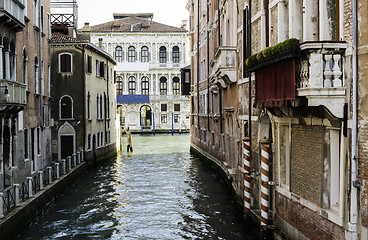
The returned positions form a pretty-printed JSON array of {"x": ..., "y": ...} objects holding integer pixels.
[{"x": 269, "y": 53}]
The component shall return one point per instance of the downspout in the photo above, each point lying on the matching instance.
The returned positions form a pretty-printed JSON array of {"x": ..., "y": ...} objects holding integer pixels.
[
  {"x": 249, "y": 49},
  {"x": 208, "y": 70},
  {"x": 40, "y": 76},
  {"x": 41, "y": 61},
  {"x": 198, "y": 12},
  {"x": 354, "y": 163},
  {"x": 84, "y": 99},
  {"x": 107, "y": 99}
]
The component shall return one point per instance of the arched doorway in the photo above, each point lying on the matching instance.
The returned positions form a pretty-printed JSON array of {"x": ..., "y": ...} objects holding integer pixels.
[
  {"x": 67, "y": 145},
  {"x": 146, "y": 116},
  {"x": 121, "y": 115},
  {"x": 6, "y": 156}
]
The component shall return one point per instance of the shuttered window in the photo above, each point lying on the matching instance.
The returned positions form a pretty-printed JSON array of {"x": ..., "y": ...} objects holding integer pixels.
[{"x": 65, "y": 62}]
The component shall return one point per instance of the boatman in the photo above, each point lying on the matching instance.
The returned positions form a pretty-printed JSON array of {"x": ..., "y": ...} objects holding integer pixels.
[{"x": 129, "y": 140}]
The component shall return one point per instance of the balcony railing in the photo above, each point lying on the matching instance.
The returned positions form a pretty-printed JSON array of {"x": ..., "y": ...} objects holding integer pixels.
[
  {"x": 12, "y": 93},
  {"x": 225, "y": 65},
  {"x": 166, "y": 65},
  {"x": 320, "y": 75},
  {"x": 13, "y": 12}
]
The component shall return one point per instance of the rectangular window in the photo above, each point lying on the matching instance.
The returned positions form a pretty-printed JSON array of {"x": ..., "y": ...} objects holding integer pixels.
[
  {"x": 89, "y": 64},
  {"x": 284, "y": 155},
  {"x": 38, "y": 141},
  {"x": 65, "y": 63},
  {"x": 163, "y": 118},
  {"x": 98, "y": 139},
  {"x": 97, "y": 68},
  {"x": 102, "y": 69},
  {"x": 33, "y": 150},
  {"x": 176, "y": 118},
  {"x": 35, "y": 13},
  {"x": 101, "y": 138},
  {"x": 89, "y": 142},
  {"x": 48, "y": 26},
  {"x": 26, "y": 144},
  {"x": 41, "y": 18},
  {"x": 163, "y": 107},
  {"x": 177, "y": 107}
]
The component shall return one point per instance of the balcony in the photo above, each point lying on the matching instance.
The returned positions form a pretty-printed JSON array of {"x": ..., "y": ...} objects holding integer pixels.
[
  {"x": 12, "y": 14},
  {"x": 166, "y": 65},
  {"x": 224, "y": 67},
  {"x": 13, "y": 96},
  {"x": 320, "y": 77}
]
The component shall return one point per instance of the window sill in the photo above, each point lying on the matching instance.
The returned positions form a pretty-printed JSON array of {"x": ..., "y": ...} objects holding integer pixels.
[
  {"x": 66, "y": 119},
  {"x": 65, "y": 72},
  {"x": 36, "y": 28},
  {"x": 26, "y": 160}
]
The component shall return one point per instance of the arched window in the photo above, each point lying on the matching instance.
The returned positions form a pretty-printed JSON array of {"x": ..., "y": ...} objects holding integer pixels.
[
  {"x": 25, "y": 68},
  {"x": 144, "y": 54},
  {"x": 36, "y": 74},
  {"x": 175, "y": 54},
  {"x": 176, "y": 86},
  {"x": 145, "y": 86},
  {"x": 12, "y": 60},
  {"x": 66, "y": 107},
  {"x": 131, "y": 54},
  {"x": 131, "y": 85},
  {"x": 163, "y": 86},
  {"x": 119, "y": 54},
  {"x": 162, "y": 54},
  {"x": 65, "y": 62},
  {"x": 119, "y": 85},
  {"x": 5, "y": 55}
]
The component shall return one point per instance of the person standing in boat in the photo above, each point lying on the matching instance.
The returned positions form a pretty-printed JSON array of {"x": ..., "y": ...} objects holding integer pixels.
[{"x": 129, "y": 140}]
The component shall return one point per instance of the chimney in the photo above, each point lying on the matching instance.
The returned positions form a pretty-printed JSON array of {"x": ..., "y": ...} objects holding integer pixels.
[
  {"x": 185, "y": 23},
  {"x": 100, "y": 42}
]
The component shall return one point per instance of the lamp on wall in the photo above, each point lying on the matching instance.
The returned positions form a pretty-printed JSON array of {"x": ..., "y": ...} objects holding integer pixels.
[{"x": 6, "y": 93}]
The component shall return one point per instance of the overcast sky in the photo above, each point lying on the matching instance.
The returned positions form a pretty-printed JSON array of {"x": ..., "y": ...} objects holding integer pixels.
[{"x": 170, "y": 12}]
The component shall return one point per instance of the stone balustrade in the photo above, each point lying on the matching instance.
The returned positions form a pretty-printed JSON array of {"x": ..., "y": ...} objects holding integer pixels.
[
  {"x": 320, "y": 75},
  {"x": 14, "y": 11}
]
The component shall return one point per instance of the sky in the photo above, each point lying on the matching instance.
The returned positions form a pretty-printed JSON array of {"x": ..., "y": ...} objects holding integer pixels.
[{"x": 169, "y": 12}]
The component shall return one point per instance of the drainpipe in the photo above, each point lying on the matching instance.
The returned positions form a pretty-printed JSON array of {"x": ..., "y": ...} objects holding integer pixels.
[
  {"x": 198, "y": 16},
  {"x": 208, "y": 68},
  {"x": 84, "y": 100},
  {"x": 354, "y": 163},
  {"x": 40, "y": 77}
]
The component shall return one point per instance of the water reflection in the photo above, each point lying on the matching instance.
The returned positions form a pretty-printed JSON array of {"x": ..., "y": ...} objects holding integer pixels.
[{"x": 158, "y": 192}]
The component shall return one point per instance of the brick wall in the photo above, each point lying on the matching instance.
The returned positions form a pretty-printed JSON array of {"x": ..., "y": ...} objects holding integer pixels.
[
  {"x": 306, "y": 162},
  {"x": 309, "y": 223},
  {"x": 363, "y": 170},
  {"x": 274, "y": 25}
]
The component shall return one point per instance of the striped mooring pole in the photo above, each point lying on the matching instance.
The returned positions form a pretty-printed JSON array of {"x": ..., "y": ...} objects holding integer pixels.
[
  {"x": 265, "y": 177},
  {"x": 246, "y": 163}
]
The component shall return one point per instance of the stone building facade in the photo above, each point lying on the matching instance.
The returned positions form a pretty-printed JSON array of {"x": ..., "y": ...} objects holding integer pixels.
[
  {"x": 148, "y": 80},
  {"x": 294, "y": 108},
  {"x": 25, "y": 91},
  {"x": 83, "y": 110}
]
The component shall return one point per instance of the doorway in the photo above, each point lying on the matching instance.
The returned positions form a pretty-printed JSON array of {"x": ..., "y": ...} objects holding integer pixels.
[{"x": 146, "y": 116}]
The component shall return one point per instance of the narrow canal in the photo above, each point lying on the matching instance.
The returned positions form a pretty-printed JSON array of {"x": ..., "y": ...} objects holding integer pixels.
[{"x": 160, "y": 191}]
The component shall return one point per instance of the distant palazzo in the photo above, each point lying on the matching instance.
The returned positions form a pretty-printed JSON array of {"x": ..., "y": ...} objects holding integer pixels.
[{"x": 148, "y": 79}]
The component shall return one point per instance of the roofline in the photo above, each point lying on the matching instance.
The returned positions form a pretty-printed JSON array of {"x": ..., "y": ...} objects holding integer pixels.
[{"x": 88, "y": 45}]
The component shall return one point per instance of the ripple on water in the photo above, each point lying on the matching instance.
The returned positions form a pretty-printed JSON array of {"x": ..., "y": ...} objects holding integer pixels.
[{"x": 158, "y": 192}]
